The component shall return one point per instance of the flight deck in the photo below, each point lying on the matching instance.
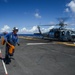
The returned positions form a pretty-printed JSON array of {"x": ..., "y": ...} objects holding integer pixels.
[{"x": 40, "y": 57}]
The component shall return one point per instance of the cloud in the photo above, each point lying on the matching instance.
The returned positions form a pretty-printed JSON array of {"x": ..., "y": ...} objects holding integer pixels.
[
  {"x": 34, "y": 29},
  {"x": 5, "y": 28},
  {"x": 47, "y": 29},
  {"x": 67, "y": 10},
  {"x": 71, "y": 5},
  {"x": 72, "y": 24},
  {"x": 51, "y": 27},
  {"x": 37, "y": 15},
  {"x": 25, "y": 30}
]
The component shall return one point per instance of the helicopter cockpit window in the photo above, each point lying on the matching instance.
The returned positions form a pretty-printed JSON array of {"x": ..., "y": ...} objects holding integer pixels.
[
  {"x": 63, "y": 33},
  {"x": 51, "y": 30},
  {"x": 73, "y": 32}
]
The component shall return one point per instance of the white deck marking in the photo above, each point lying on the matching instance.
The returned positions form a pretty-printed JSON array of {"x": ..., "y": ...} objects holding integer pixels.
[
  {"x": 6, "y": 73},
  {"x": 38, "y": 43}
]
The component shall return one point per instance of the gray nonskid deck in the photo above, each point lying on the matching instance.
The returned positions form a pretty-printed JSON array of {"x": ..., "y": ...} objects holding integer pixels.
[{"x": 44, "y": 59}]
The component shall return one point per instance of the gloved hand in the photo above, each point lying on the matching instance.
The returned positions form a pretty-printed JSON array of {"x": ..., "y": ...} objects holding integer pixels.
[{"x": 18, "y": 44}]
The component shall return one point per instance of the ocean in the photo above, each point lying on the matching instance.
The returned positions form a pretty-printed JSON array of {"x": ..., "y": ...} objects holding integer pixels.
[{"x": 32, "y": 35}]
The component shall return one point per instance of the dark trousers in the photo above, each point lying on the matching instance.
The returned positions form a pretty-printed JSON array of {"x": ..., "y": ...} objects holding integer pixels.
[{"x": 7, "y": 51}]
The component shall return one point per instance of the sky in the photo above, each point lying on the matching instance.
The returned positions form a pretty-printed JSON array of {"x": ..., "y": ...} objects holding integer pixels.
[{"x": 27, "y": 14}]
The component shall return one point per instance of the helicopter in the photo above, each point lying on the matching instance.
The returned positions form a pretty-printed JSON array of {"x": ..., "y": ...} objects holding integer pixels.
[{"x": 61, "y": 33}]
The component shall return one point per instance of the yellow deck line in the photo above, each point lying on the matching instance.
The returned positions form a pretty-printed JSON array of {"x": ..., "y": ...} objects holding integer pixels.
[
  {"x": 28, "y": 38},
  {"x": 65, "y": 43}
]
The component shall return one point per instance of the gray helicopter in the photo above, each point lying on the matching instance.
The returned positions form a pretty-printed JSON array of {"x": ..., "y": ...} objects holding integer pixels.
[{"x": 61, "y": 33}]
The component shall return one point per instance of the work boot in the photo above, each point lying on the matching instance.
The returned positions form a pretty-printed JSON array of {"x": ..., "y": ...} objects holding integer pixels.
[
  {"x": 7, "y": 59},
  {"x": 11, "y": 57}
]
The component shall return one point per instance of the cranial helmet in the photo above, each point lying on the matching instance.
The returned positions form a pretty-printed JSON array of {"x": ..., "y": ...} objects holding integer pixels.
[{"x": 15, "y": 29}]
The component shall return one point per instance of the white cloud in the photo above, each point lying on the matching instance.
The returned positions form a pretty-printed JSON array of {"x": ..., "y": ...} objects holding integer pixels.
[
  {"x": 72, "y": 24},
  {"x": 37, "y": 15},
  {"x": 43, "y": 30},
  {"x": 34, "y": 29},
  {"x": 71, "y": 5},
  {"x": 51, "y": 27},
  {"x": 25, "y": 30},
  {"x": 5, "y": 28},
  {"x": 71, "y": 13},
  {"x": 67, "y": 10}
]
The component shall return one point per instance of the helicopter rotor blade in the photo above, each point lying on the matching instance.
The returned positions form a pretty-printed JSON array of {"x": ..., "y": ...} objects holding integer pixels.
[
  {"x": 59, "y": 24},
  {"x": 47, "y": 25}
]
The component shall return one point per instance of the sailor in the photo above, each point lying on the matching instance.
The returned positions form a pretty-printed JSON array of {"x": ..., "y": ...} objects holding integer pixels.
[{"x": 11, "y": 41}]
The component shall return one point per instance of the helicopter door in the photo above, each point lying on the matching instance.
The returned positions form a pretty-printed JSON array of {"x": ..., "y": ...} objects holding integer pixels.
[{"x": 57, "y": 34}]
